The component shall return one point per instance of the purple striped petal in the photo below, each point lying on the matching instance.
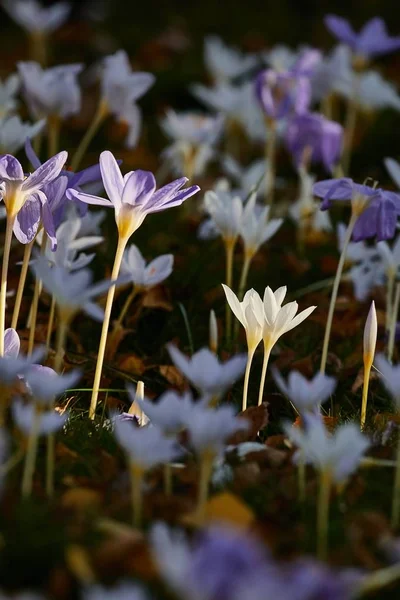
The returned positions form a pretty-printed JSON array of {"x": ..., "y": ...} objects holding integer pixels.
[
  {"x": 175, "y": 200},
  {"x": 139, "y": 188},
  {"x": 10, "y": 168},
  {"x": 31, "y": 154},
  {"x": 11, "y": 343},
  {"x": 112, "y": 178},
  {"x": 45, "y": 173},
  {"x": 28, "y": 220},
  {"x": 87, "y": 198}
]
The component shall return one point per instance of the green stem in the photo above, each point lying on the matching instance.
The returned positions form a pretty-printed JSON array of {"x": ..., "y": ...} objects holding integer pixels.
[
  {"x": 50, "y": 322},
  {"x": 391, "y": 276},
  {"x": 99, "y": 117},
  {"x": 126, "y": 306},
  {"x": 62, "y": 329},
  {"x": 53, "y": 135},
  {"x": 168, "y": 480},
  {"x": 136, "y": 493},
  {"x": 229, "y": 251},
  {"x": 367, "y": 372},
  {"x": 350, "y": 126}
]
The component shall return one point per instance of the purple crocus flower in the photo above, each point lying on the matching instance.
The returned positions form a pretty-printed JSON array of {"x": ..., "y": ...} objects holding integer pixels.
[
  {"x": 372, "y": 40},
  {"x": 313, "y": 133},
  {"x": 377, "y": 209},
  {"x": 17, "y": 188},
  {"x": 280, "y": 94},
  {"x": 134, "y": 195}
]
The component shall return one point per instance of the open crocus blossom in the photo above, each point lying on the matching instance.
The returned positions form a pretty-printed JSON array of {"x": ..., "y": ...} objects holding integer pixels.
[
  {"x": 281, "y": 94},
  {"x": 373, "y": 39},
  {"x": 34, "y": 17},
  {"x": 145, "y": 276},
  {"x": 307, "y": 395}
]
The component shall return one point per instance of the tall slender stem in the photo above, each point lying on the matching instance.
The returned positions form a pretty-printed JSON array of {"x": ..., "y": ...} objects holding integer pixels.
[
  {"x": 267, "y": 353},
  {"x": 396, "y": 490},
  {"x": 367, "y": 373},
  {"x": 393, "y": 322},
  {"x": 250, "y": 355},
  {"x": 50, "y": 322},
  {"x": 350, "y": 125},
  {"x": 99, "y": 116},
  {"x": 136, "y": 474},
  {"x": 126, "y": 306},
  {"x": 206, "y": 466},
  {"x": 335, "y": 290},
  {"x": 21, "y": 283},
  {"x": 35, "y": 303},
  {"x": 229, "y": 251},
  {"x": 63, "y": 323},
  {"x": 391, "y": 276},
  {"x": 323, "y": 514},
  {"x": 53, "y": 134},
  {"x": 31, "y": 452},
  {"x": 270, "y": 153},
  {"x": 248, "y": 257},
  {"x": 106, "y": 322},
  {"x": 4, "y": 272},
  {"x": 38, "y": 47}
]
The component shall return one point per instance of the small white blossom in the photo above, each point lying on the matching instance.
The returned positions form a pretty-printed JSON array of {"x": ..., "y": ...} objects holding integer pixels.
[
  {"x": 226, "y": 211},
  {"x": 250, "y": 313},
  {"x": 8, "y": 91},
  {"x": 255, "y": 228},
  {"x": 169, "y": 412},
  {"x": 252, "y": 177},
  {"x": 142, "y": 275},
  {"x": 307, "y": 395},
  {"x": 13, "y": 133},
  {"x": 34, "y": 17},
  {"x": 223, "y": 62}
]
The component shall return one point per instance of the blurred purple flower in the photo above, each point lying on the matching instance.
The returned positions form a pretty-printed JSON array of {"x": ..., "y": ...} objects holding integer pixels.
[
  {"x": 281, "y": 94},
  {"x": 372, "y": 40},
  {"x": 314, "y": 133}
]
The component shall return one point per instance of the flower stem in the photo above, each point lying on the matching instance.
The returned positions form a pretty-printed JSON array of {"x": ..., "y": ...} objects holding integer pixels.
[
  {"x": 35, "y": 303},
  {"x": 136, "y": 474},
  {"x": 53, "y": 135},
  {"x": 367, "y": 372},
  {"x": 21, "y": 283},
  {"x": 323, "y": 513},
  {"x": 38, "y": 47},
  {"x": 4, "y": 272},
  {"x": 267, "y": 353},
  {"x": 350, "y": 125},
  {"x": 122, "y": 241},
  {"x": 270, "y": 153},
  {"x": 229, "y": 251},
  {"x": 206, "y": 466},
  {"x": 126, "y": 306},
  {"x": 393, "y": 322},
  {"x": 335, "y": 290},
  {"x": 30, "y": 458},
  {"x": 168, "y": 480},
  {"x": 391, "y": 276},
  {"x": 99, "y": 116},
  {"x": 250, "y": 355},
  {"x": 63, "y": 323},
  {"x": 50, "y": 322},
  {"x": 396, "y": 490}
]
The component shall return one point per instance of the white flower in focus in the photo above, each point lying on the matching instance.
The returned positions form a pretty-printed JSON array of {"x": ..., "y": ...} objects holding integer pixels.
[
  {"x": 142, "y": 275},
  {"x": 307, "y": 395},
  {"x": 250, "y": 313},
  {"x": 224, "y": 62},
  {"x": 36, "y": 18},
  {"x": 339, "y": 453},
  {"x": 53, "y": 92},
  {"x": 206, "y": 373},
  {"x": 8, "y": 90},
  {"x": 13, "y": 133}
]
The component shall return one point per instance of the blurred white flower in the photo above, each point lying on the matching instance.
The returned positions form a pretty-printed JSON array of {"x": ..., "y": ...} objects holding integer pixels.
[
  {"x": 305, "y": 212},
  {"x": 34, "y": 17},
  {"x": 390, "y": 377},
  {"x": 280, "y": 58},
  {"x": 223, "y": 62},
  {"x": 226, "y": 211},
  {"x": 393, "y": 168},
  {"x": 24, "y": 416},
  {"x": 44, "y": 384},
  {"x": 332, "y": 73},
  {"x": 169, "y": 412},
  {"x": 255, "y": 228},
  {"x": 307, "y": 395},
  {"x": 13, "y": 133},
  {"x": 145, "y": 276},
  {"x": 8, "y": 90},
  {"x": 251, "y": 177}
]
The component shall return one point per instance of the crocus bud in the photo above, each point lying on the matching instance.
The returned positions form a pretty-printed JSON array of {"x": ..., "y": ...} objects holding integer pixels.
[
  {"x": 370, "y": 335},
  {"x": 135, "y": 407},
  {"x": 213, "y": 332}
]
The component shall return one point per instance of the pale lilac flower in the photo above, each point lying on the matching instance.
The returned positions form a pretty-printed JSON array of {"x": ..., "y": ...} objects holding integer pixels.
[
  {"x": 120, "y": 89},
  {"x": 365, "y": 276},
  {"x": 373, "y": 39},
  {"x": 169, "y": 412},
  {"x": 256, "y": 228},
  {"x": 206, "y": 373},
  {"x": 53, "y": 92},
  {"x": 390, "y": 377},
  {"x": 145, "y": 276},
  {"x": 225, "y": 63},
  {"x": 90, "y": 223},
  {"x": 73, "y": 292},
  {"x": 339, "y": 453},
  {"x": 210, "y": 428},
  {"x": 226, "y": 211},
  {"x": 133, "y": 196},
  {"x": 13, "y": 133},
  {"x": 146, "y": 447},
  {"x": 305, "y": 211},
  {"x": 12, "y": 343},
  {"x": 333, "y": 74},
  {"x": 317, "y": 136},
  {"x": 34, "y": 17},
  {"x": 281, "y": 58},
  {"x": 44, "y": 384},
  {"x": 307, "y": 395},
  {"x": 194, "y": 137},
  {"x": 13, "y": 365},
  {"x": 17, "y": 188},
  {"x": 124, "y": 590},
  {"x": 282, "y": 94},
  {"x": 390, "y": 256},
  {"x": 24, "y": 415},
  {"x": 8, "y": 91}
]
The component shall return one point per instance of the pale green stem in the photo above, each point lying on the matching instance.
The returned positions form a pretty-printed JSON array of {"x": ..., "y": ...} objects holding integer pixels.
[
  {"x": 53, "y": 135},
  {"x": 35, "y": 303},
  {"x": 11, "y": 462},
  {"x": 378, "y": 579},
  {"x": 367, "y": 372},
  {"x": 50, "y": 322},
  {"x": 270, "y": 152},
  {"x": 335, "y": 290},
  {"x": 350, "y": 126},
  {"x": 31, "y": 452},
  {"x": 250, "y": 355},
  {"x": 391, "y": 276},
  {"x": 38, "y": 47},
  {"x": 21, "y": 283},
  {"x": 62, "y": 329},
  {"x": 267, "y": 353},
  {"x": 126, "y": 306},
  {"x": 101, "y": 113},
  {"x": 323, "y": 514},
  {"x": 136, "y": 474},
  {"x": 4, "y": 272},
  {"x": 393, "y": 322},
  {"x": 106, "y": 322},
  {"x": 229, "y": 250},
  {"x": 206, "y": 466},
  {"x": 396, "y": 490}
]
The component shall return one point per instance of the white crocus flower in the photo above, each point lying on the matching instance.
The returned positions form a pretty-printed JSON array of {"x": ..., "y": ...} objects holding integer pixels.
[
  {"x": 252, "y": 177},
  {"x": 8, "y": 91},
  {"x": 390, "y": 256},
  {"x": 281, "y": 58},
  {"x": 34, "y": 17},
  {"x": 305, "y": 212},
  {"x": 13, "y": 133},
  {"x": 223, "y": 62},
  {"x": 226, "y": 210},
  {"x": 250, "y": 314},
  {"x": 145, "y": 276},
  {"x": 256, "y": 229},
  {"x": 206, "y": 373},
  {"x": 307, "y": 395}
]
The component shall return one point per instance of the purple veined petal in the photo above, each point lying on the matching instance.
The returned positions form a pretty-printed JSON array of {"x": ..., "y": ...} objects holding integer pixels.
[
  {"x": 87, "y": 198},
  {"x": 10, "y": 168},
  {"x": 112, "y": 178},
  {"x": 12, "y": 343},
  {"x": 31, "y": 154},
  {"x": 333, "y": 189},
  {"x": 176, "y": 200},
  {"x": 48, "y": 223},
  {"x": 28, "y": 220},
  {"x": 55, "y": 192},
  {"x": 342, "y": 29},
  {"x": 45, "y": 173},
  {"x": 386, "y": 220},
  {"x": 168, "y": 191},
  {"x": 89, "y": 175},
  {"x": 366, "y": 224},
  {"x": 395, "y": 198},
  {"x": 139, "y": 188}
]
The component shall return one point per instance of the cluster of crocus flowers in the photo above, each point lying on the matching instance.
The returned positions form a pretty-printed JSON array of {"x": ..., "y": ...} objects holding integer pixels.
[
  {"x": 265, "y": 320},
  {"x": 133, "y": 197}
]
